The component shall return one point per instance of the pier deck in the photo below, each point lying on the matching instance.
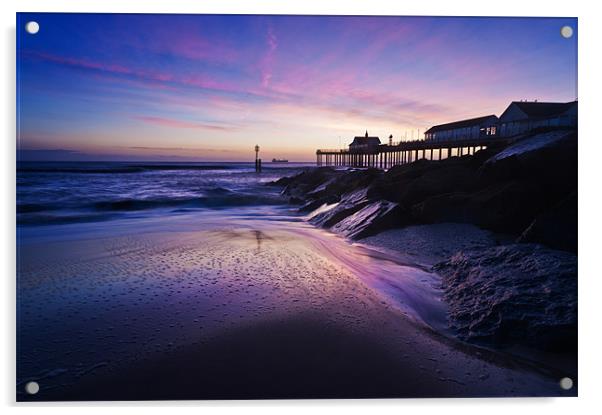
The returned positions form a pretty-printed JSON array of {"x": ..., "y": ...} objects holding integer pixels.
[{"x": 385, "y": 156}]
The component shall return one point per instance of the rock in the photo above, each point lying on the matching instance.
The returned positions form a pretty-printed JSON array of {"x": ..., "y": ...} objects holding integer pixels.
[
  {"x": 531, "y": 143},
  {"x": 510, "y": 189},
  {"x": 553, "y": 164},
  {"x": 515, "y": 191},
  {"x": 348, "y": 182},
  {"x": 371, "y": 219},
  {"x": 411, "y": 183},
  {"x": 316, "y": 203},
  {"x": 295, "y": 200},
  {"x": 520, "y": 294},
  {"x": 300, "y": 185},
  {"x": 431, "y": 244},
  {"x": 349, "y": 204},
  {"x": 506, "y": 207},
  {"x": 283, "y": 181},
  {"x": 557, "y": 227}
]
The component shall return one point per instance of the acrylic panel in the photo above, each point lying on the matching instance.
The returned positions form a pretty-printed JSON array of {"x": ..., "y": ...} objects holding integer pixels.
[{"x": 258, "y": 207}]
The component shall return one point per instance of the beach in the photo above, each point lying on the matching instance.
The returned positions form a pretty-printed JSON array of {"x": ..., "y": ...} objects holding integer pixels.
[{"x": 253, "y": 309}]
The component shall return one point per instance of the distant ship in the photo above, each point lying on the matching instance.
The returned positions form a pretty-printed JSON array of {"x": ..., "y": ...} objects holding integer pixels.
[{"x": 279, "y": 161}]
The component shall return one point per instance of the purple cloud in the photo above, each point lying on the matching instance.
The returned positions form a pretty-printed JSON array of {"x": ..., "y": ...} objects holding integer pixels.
[{"x": 175, "y": 123}]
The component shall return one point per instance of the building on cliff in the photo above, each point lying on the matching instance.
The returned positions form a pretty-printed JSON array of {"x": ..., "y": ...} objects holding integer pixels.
[
  {"x": 472, "y": 128},
  {"x": 521, "y": 117}
]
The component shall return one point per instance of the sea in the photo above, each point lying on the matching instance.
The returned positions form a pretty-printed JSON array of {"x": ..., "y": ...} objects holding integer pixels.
[{"x": 50, "y": 193}]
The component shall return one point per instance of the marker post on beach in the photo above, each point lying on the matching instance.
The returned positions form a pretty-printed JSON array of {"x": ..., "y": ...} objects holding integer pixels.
[{"x": 257, "y": 160}]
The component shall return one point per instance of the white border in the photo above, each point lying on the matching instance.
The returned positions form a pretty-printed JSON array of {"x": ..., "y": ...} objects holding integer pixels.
[{"x": 590, "y": 151}]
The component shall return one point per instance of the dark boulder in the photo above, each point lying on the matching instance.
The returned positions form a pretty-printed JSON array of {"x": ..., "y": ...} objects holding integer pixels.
[
  {"x": 557, "y": 227},
  {"x": 300, "y": 185},
  {"x": 316, "y": 203},
  {"x": 513, "y": 294},
  {"x": 505, "y": 207},
  {"x": 411, "y": 183},
  {"x": 346, "y": 183},
  {"x": 373, "y": 218},
  {"x": 549, "y": 158},
  {"x": 349, "y": 204}
]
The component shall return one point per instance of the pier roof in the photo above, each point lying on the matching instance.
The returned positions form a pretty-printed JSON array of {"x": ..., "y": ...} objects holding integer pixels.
[
  {"x": 365, "y": 140},
  {"x": 542, "y": 109},
  {"x": 461, "y": 124}
]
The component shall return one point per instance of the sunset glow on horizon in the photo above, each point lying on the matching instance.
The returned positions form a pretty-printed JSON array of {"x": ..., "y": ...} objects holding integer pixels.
[{"x": 210, "y": 87}]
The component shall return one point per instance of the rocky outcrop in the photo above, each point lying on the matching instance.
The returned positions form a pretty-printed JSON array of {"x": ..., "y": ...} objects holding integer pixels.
[
  {"x": 505, "y": 207},
  {"x": 374, "y": 217},
  {"x": 299, "y": 186},
  {"x": 349, "y": 204},
  {"x": 513, "y": 294},
  {"x": 518, "y": 191}
]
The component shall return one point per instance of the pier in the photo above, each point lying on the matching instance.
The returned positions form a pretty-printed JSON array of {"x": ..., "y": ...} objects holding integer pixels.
[
  {"x": 385, "y": 156},
  {"x": 457, "y": 138}
]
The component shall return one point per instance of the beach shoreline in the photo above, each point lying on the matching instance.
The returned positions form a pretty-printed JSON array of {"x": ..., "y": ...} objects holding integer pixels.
[{"x": 303, "y": 327}]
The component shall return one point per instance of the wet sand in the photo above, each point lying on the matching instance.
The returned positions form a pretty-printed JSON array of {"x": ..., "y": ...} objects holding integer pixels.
[
  {"x": 427, "y": 245},
  {"x": 248, "y": 310}
]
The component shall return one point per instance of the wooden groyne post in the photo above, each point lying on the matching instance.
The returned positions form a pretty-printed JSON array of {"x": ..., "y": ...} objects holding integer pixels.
[{"x": 257, "y": 160}]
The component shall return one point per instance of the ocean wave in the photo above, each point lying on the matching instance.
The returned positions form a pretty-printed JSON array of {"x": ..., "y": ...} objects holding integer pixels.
[
  {"x": 223, "y": 200},
  {"x": 187, "y": 167},
  {"x": 138, "y": 204},
  {"x": 35, "y": 207},
  {"x": 218, "y": 198},
  {"x": 51, "y": 219},
  {"x": 83, "y": 191}
]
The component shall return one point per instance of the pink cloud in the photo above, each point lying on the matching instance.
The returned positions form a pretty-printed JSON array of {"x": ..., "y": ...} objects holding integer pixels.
[
  {"x": 268, "y": 60},
  {"x": 84, "y": 63},
  {"x": 81, "y": 62},
  {"x": 174, "y": 123},
  {"x": 314, "y": 86},
  {"x": 199, "y": 81}
]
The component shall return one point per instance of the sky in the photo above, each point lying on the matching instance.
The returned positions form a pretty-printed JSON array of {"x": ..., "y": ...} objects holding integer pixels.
[{"x": 211, "y": 87}]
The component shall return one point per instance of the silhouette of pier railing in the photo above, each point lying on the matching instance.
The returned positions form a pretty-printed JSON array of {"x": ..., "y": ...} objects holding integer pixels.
[{"x": 385, "y": 156}]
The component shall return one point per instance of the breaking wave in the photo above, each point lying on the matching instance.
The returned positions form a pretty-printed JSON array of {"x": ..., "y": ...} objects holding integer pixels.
[{"x": 52, "y": 193}]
